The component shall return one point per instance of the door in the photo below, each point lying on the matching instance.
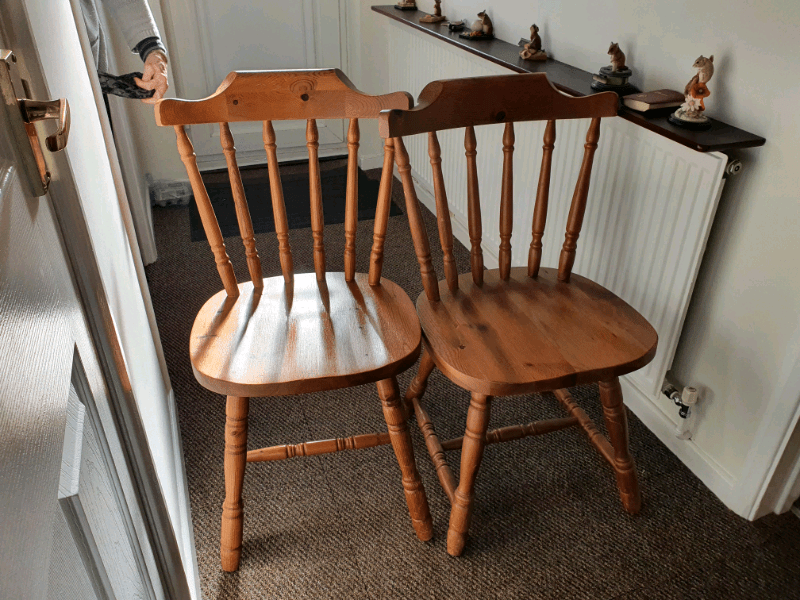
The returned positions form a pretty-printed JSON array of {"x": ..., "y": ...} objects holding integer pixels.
[
  {"x": 68, "y": 531},
  {"x": 92, "y": 496},
  {"x": 211, "y": 38}
]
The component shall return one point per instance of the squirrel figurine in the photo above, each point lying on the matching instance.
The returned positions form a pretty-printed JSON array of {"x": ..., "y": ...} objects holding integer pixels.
[
  {"x": 696, "y": 91},
  {"x": 705, "y": 69},
  {"x": 617, "y": 57},
  {"x": 483, "y": 26}
]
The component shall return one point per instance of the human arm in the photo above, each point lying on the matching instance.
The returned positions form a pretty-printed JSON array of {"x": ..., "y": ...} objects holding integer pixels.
[{"x": 141, "y": 34}]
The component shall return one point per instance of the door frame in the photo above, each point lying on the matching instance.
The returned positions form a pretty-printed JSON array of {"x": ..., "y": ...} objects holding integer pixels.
[
  {"x": 194, "y": 18},
  {"x": 79, "y": 249}
]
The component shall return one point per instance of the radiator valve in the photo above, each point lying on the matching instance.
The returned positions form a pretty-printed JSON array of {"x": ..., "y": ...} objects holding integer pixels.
[
  {"x": 685, "y": 402},
  {"x": 734, "y": 167}
]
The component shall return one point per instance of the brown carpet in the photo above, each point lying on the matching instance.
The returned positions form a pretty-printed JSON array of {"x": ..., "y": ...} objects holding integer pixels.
[{"x": 547, "y": 521}]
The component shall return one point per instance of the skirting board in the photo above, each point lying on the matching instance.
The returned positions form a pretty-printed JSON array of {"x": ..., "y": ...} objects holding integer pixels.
[
  {"x": 714, "y": 476},
  {"x": 374, "y": 161}
]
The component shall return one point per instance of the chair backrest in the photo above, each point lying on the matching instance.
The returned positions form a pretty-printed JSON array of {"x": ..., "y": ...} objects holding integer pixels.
[
  {"x": 273, "y": 96},
  {"x": 478, "y": 101}
]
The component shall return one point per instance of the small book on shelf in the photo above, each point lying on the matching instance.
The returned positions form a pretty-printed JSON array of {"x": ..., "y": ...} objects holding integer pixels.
[{"x": 654, "y": 100}]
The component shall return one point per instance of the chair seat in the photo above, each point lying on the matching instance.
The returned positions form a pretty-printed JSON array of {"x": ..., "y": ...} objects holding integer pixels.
[
  {"x": 526, "y": 335},
  {"x": 318, "y": 337}
]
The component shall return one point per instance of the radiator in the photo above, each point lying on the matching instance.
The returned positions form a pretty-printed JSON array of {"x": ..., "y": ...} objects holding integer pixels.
[{"x": 650, "y": 206}]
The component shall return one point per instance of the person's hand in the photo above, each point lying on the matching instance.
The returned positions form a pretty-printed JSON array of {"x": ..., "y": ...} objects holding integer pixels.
[{"x": 154, "y": 76}]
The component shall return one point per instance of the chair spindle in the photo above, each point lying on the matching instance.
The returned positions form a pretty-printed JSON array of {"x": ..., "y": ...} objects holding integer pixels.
[
  {"x": 507, "y": 202},
  {"x": 473, "y": 206},
  {"x": 442, "y": 212},
  {"x": 351, "y": 202},
  {"x": 242, "y": 210},
  {"x": 315, "y": 189},
  {"x": 278, "y": 206},
  {"x": 542, "y": 197},
  {"x": 382, "y": 213},
  {"x": 578, "y": 206},
  {"x": 209, "y": 219},
  {"x": 418, "y": 233}
]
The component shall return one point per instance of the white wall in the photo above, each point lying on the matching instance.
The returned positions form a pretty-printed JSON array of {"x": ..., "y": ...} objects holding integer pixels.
[{"x": 740, "y": 341}]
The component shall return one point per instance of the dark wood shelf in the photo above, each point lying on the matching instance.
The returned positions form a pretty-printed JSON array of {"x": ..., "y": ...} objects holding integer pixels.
[{"x": 577, "y": 82}]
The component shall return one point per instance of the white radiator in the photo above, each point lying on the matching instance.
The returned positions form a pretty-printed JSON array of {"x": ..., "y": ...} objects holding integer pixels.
[{"x": 650, "y": 206}]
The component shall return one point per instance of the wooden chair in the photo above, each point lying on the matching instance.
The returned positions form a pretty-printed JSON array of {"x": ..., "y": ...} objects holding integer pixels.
[
  {"x": 298, "y": 333},
  {"x": 514, "y": 330}
]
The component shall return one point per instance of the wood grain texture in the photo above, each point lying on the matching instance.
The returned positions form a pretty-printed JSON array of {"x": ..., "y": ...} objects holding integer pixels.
[
  {"x": 382, "y": 213},
  {"x": 578, "y": 207},
  {"x": 529, "y": 335},
  {"x": 517, "y": 432},
  {"x": 284, "y": 451},
  {"x": 309, "y": 338},
  {"x": 506, "y": 202},
  {"x": 404, "y": 451},
  {"x": 442, "y": 212},
  {"x": 517, "y": 330},
  {"x": 299, "y": 333},
  {"x": 351, "y": 200},
  {"x": 617, "y": 425},
  {"x": 280, "y": 95},
  {"x": 242, "y": 209},
  {"x": 473, "y": 101},
  {"x": 419, "y": 384},
  {"x": 435, "y": 450},
  {"x": 471, "y": 456},
  {"x": 474, "y": 206},
  {"x": 419, "y": 235},
  {"x": 315, "y": 193},
  {"x": 206, "y": 210},
  {"x": 414, "y": 395},
  {"x": 542, "y": 198},
  {"x": 598, "y": 440},
  {"x": 576, "y": 82},
  {"x": 235, "y": 463},
  {"x": 278, "y": 204}
]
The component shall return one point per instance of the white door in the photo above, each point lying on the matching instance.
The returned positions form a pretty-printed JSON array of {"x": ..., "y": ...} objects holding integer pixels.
[
  {"x": 210, "y": 38},
  {"x": 93, "y": 495},
  {"x": 68, "y": 529}
]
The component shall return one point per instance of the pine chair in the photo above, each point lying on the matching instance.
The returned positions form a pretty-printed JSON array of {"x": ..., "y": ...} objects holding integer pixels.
[
  {"x": 514, "y": 330},
  {"x": 298, "y": 333}
]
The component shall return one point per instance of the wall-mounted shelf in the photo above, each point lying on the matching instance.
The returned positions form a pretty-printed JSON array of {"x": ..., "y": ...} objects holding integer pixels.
[{"x": 574, "y": 81}]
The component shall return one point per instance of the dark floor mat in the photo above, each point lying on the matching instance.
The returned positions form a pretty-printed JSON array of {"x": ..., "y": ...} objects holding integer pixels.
[{"x": 294, "y": 179}]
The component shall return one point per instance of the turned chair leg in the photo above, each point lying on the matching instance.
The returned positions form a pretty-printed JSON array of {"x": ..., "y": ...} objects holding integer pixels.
[
  {"x": 401, "y": 442},
  {"x": 420, "y": 382},
  {"x": 235, "y": 461},
  {"x": 471, "y": 455},
  {"x": 617, "y": 425}
]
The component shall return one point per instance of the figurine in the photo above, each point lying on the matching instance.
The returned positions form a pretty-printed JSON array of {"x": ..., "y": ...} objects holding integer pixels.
[
  {"x": 533, "y": 49},
  {"x": 614, "y": 77},
  {"x": 436, "y": 17},
  {"x": 482, "y": 29},
  {"x": 690, "y": 114},
  {"x": 617, "y": 57},
  {"x": 406, "y": 5}
]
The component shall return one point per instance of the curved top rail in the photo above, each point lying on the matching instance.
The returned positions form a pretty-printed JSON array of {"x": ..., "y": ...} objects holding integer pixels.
[
  {"x": 280, "y": 95},
  {"x": 451, "y": 103}
]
